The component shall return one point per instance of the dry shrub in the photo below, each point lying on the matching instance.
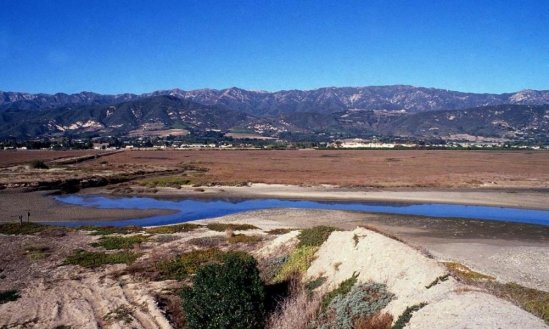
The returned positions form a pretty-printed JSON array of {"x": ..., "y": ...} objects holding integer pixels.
[
  {"x": 229, "y": 233},
  {"x": 207, "y": 241},
  {"x": 378, "y": 321},
  {"x": 297, "y": 311},
  {"x": 170, "y": 304}
]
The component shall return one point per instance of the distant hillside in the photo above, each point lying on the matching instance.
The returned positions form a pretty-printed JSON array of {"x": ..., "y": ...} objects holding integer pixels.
[
  {"x": 143, "y": 116},
  {"x": 324, "y": 100}
]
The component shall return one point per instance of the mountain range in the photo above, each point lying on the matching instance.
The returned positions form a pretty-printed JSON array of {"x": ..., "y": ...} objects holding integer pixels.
[{"x": 397, "y": 110}]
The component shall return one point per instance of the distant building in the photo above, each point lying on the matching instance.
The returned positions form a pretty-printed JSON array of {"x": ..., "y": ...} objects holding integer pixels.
[{"x": 100, "y": 146}]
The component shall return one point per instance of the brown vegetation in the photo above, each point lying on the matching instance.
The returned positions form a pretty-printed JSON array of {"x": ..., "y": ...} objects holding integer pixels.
[{"x": 355, "y": 168}]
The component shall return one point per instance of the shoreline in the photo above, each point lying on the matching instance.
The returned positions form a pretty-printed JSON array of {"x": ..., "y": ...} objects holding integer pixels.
[
  {"x": 533, "y": 199},
  {"x": 45, "y": 208}
]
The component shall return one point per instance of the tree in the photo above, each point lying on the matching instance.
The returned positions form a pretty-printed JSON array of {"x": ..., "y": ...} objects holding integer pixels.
[{"x": 226, "y": 295}]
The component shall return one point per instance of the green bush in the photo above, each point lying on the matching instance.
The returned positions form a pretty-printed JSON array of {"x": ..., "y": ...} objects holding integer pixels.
[
  {"x": 25, "y": 228},
  {"x": 242, "y": 238},
  {"x": 119, "y": 242},
  {"x": 8, "y": 296},
  {"x": 95, "y": 259},
  {"x": 220, "y": 227},
  {"x": 165, "y": 181},
  {"x": 108, "y": 230},
  {"x": 360, "y": 302},
  {"x": 184, "y": 265},
  {"x": 315, "y": 236},
  {"x": 38, "y": 164},
  {"x": 226, "y": 295},
  {"x": 343, "y": 288},
  {"x": 186, "y": 227},
  {"x": 313, "y": 284},
  {"x": 298, "y": 262}
]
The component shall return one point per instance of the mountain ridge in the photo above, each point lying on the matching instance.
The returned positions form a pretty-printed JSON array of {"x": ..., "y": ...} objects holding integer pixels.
[{"x": 326, "y": 99}]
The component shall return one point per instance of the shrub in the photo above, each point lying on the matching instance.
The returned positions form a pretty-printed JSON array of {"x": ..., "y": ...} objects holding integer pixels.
[
  {"x": 166, "y": 181},
  {"x": 186, "y": 227},
  {"x": 377, "y": 321},
  {"x": 465, "y": 273},
  {"x": 532, "y": 300},
  {"x": 360, "y": 303},
  {"x": 38, "y": 164},
  {"x": 270, "y": 267},
  {"x": 9, "y": 296},
  {"x": 313, "y": 284},
  {"x": 220, "y": 227},
  {"x": 241, "y": 238},
  {"x": 37, "y": 251},
  {"x": 95, "y": 259},
  {"x": 108, "y": 230},
  {"x": 25, "y": 228},
  {"x": 405, "y": 317},
  {"x": 298, "y": 262},
  {"x": 119, "y": 242},
  {"x": 315, "y": 236},
  {"x": 298, "y": 311},
  {"x": 278, "y": 231},
  {"x": 343, "y": 288},
  {"x": 227, "y": 295},
  {"x": 184, "y": 265},
  {"x": 120, "y": 314},
  {"x": 207, "y": 241}
]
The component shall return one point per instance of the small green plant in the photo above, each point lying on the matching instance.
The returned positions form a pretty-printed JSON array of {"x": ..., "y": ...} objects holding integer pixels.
[
  {"x": 9, "y": 296},
  {"x": 38, "y": 164},
  {"x": 405, "y": 317},
  {"x": 169, "y": 229},
  {"x": 226, "y": 295},
  {"x": 298, "y": 262},
  {"x": 356, "y": 239},
  {"x": 466, "y": 273},
  {"x": 313, "y": 284},
  {"x": 122, "y": 313},
  {"x": 25, "y": 228},
  {"x": 119, "y": 242},
  {"x": 95, "y": 259},
  {"x": 108, "y": 230},
  {"x": 220, "y": 227},
  {"x": 315, "y": 236},
  {"x": 242, "y": 238},
  {"x": 279, "y": 231},
  {"x": 343, "y": 288},
  {"x": 439, "y": 279}
]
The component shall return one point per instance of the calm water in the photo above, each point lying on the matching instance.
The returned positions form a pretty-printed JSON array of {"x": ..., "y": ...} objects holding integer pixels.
[{"x": 193, "y": 209}]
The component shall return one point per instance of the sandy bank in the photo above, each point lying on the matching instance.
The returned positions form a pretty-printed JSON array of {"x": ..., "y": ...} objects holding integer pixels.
[
  {"x": 504, "y": 198},
  {"x": 508, "y": 251},
  {"x": 44, "y": 208}
]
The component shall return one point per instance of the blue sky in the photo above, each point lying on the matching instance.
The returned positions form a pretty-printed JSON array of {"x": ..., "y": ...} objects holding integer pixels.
[{"x": 139, "y": 46}]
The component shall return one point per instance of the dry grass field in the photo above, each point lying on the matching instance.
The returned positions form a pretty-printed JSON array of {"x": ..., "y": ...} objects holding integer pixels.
[
  {"x": 372, "y": 168},
  {"x": 408, "y": 168},
  {"x": 12, "y": 157}
]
